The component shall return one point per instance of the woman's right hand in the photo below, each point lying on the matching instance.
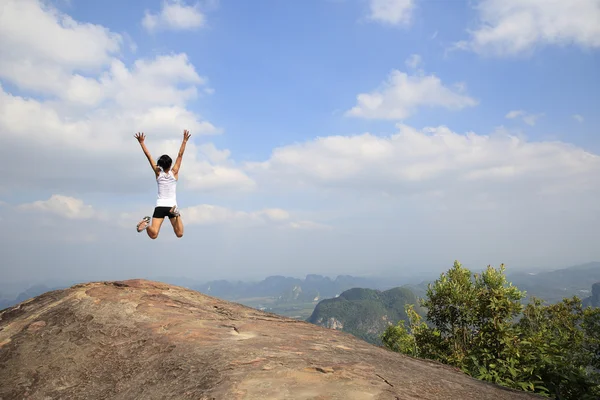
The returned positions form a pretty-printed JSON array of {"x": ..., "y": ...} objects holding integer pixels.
[{"x": 140, "y": 137}]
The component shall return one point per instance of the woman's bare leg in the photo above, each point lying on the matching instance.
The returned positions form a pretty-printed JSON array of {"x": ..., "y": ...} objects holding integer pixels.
[
  {"x": 153, "y": 229},
  {"x": 177, "y": 226}
]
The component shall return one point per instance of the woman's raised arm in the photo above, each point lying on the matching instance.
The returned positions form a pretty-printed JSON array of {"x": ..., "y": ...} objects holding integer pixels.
[
  {"x": 140, "y": 138},
  {"x": 186, "y": 136}
]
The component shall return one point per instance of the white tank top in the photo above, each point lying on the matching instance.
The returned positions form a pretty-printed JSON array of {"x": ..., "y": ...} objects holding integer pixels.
[{"x": 167, "y": 185}]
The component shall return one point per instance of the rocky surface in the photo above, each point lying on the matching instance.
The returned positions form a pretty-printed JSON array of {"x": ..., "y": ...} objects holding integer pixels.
[{"x": 147, "y": 340}]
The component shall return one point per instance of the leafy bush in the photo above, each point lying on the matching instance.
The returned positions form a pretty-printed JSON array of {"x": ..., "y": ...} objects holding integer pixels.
[{"x": 477, "y": 323}]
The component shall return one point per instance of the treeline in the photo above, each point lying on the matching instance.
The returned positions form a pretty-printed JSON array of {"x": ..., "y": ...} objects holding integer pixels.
[{"x": 478, "y": 323}]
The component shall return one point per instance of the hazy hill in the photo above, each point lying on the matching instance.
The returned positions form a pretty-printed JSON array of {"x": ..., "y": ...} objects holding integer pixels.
[
  {"x": 4, "y": 303},
  {"x": 282, "y": 288},
  {"x": 554, "y": 285},
  {"x": 594, "y": 299},
  {"x": 365, "y": 313},
  {"x": 33, "y": 291},
  {"x": 146, "y": 340},
  {"x": 287, "y": 288}
]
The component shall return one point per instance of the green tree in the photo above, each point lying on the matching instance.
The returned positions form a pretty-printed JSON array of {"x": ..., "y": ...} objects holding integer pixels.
[
  {"x": 559, "y": 344},
  {"x": 417, "y": 340},
  {"x": 398, "y": 339},
  {"x": 478, "y": 323}
]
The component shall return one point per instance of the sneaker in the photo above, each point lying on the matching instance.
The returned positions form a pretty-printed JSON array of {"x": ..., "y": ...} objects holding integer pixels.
[
  {"x": 174, "y": 211},
  {"x": 143, "y": 224}
]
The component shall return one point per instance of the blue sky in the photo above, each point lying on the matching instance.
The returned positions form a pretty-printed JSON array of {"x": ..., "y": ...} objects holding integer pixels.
[
  {"x": 284, "y": 71},
  {"x": 276, "y": 82}
]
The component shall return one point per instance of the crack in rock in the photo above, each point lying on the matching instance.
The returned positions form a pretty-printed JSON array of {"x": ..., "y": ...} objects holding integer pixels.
[{"x": 385, "y": 380}]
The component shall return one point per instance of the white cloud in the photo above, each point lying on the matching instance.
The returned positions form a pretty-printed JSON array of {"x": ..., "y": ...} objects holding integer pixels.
[
  {"x": 33, "y": 60},
  {"x": 81, "y": 125},
  {"x": 578, "y": 118},
  {"x": 479, "y": 197},
  {"x": 165, "y": 120},
  {"x": 208, "y": 177},
  {"x": 206, "y": 214},
  {"x": 91, "y": 119},
  {"x": 62, "y": 206},
  {"x": 511, "y": 27},
  {"x": 432, "y": 160},
  {"x": 174, "y": 15},
  {"x": 207, "y": 168},
  {"x": 213, "y": 154},
  {"x": 166, "y": 80},
  {"x": 57, "y": 38},
  {"x": 214, "y": 215},
  {"x": 402, "y": 94},
  {"x": 48, "y": 60},
  {"x": 514, "y": 114},
  {"x": 275, "y": 214},
  {"x": 529, "y": 119},
  {"x": 392, "y": 12},
  {"x": 41, "y": 58},
  {"x": 414, "y": 61},
  {"x": 309, "y": 225},
  {"x": 75, "y": 209}
]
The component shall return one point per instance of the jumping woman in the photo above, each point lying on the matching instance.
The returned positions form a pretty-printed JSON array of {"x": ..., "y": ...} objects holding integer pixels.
[{"x": 166, "y": 179}]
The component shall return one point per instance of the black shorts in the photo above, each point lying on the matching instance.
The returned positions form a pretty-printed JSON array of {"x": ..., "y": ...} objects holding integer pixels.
[{"x": 161, "y": 212}]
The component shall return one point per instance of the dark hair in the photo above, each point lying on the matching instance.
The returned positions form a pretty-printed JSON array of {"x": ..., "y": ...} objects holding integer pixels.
[{"x": 164, "y": 162}]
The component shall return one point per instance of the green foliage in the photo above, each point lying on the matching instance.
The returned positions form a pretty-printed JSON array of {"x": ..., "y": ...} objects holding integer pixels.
[
  {"x": 560, "y": 342},
  {"x": 397, "y": 338},
  {"x": 477, "y": 322},
  {"x": 364, "y": 313}
]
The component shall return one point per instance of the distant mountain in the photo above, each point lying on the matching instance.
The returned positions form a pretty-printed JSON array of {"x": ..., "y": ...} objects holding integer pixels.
[
  {"x": 5, "y": 303},
  {"x": 594, "y": 299},
  {"x": 364, "y": 313},
  {"x": 553, "y": 286},
  {"x": 33, "y": 291},
  {"x": 288, "y": 289}
]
